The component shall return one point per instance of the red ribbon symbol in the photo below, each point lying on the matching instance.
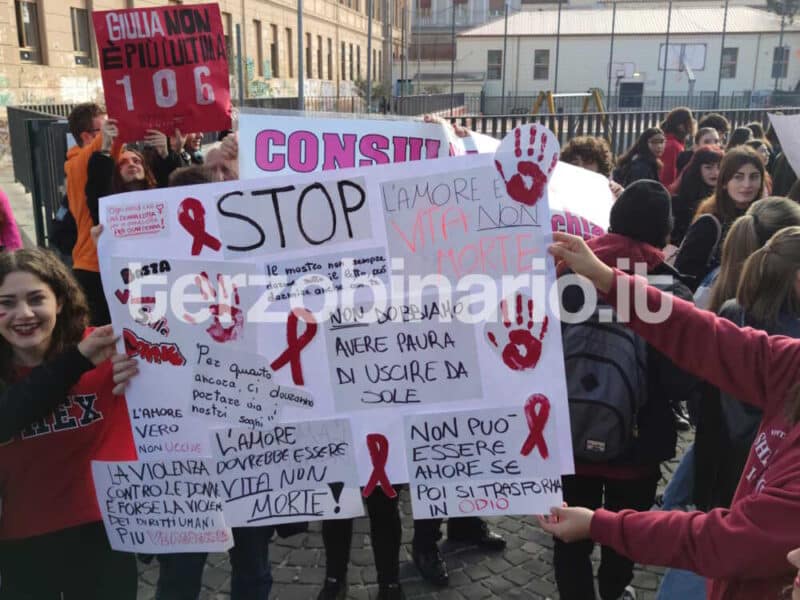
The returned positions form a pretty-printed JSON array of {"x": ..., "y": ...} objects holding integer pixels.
[
  {"x": 378, "y": 447},
  {"x": 192, "y": 217},
  {"x": 537, "y": 411},
  {"x": 295, "y": 344}
]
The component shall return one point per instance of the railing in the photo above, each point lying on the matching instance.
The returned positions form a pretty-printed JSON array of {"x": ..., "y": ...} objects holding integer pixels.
[
  {"x": 400, "y": 105},
  {"x": 38, "y": 150},
  {"x": 621, "y": 129},
  {"x": 708, "y": 101}
]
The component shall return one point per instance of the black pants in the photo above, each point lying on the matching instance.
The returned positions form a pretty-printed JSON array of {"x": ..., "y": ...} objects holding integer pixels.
[
  {"x": 572, "y": 562},
  {"x": 77, "y": 561},
  {"x": 93, "y": 288},
  {"x": 385, "y": 532},
  {"x": 429, "y": 531}
]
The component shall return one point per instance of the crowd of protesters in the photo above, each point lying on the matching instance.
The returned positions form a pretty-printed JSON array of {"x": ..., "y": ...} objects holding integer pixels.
[{"x": 711, "y": 207}]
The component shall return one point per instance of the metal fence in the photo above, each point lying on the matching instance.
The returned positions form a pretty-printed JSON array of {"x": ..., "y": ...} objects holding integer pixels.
[
  {"x": 621, "y": 129},
  {"x": 413, "y": 105},
  {"x": 38, "y": 149},
  {"x": 522, "y": 105}
]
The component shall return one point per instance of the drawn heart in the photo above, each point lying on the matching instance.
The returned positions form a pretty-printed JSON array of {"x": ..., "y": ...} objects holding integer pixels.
[
  {"x": 123, "y": 296},
  {"x": 525, "y": 160}
]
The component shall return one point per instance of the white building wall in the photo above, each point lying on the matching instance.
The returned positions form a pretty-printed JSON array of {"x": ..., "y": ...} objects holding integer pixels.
[{"x": 584, "y": 63}]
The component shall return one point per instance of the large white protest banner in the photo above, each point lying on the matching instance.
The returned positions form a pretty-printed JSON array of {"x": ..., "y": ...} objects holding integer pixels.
[
  {"x": 156, "y": 507},
  {"x": 371, "y": 304},
  {"x": 271, "y": 144},
  {"x": 787, "y": 128}
]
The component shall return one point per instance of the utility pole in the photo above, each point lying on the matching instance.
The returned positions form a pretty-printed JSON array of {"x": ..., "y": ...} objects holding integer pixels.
[
  {"x": 611, "y": 51},
  {"x": 505, "y": 50},
  {"x": 779, "y": 72},
  {"x": 666, "y": 56},
  {"x": 453, "y": 59},
  {"x": 558, "y": 47},
  {"x": 722, "y": 50},
  {"x": 301, "y": 101},
  {"x": 369, "y": 56}
]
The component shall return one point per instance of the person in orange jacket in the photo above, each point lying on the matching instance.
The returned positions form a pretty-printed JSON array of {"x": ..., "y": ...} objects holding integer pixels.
[{"x": 86, "y": 125}]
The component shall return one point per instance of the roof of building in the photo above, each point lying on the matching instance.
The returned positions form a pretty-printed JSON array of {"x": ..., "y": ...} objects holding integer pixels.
[{"x": 640, "y": 20}]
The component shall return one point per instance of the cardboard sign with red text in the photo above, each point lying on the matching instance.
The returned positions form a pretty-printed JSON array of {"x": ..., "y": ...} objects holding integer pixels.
[{"x": 164, "y": 68}]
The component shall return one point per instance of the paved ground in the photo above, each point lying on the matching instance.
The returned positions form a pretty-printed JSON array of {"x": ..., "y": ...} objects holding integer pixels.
[{"x": 524, "y": 570}]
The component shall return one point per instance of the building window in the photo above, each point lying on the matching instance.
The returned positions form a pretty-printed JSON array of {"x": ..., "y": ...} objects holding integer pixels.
[
  {"x": 352, "y": 63},
  {"x": 462, "y": 10},
  {"x": 380, "y": 64},
  {"x": 259, "y": 48},
  {"x": 730, "y": 56},
  {"x": 28, "y": 31},
  {"x": 497, "y": 8},
  {"x": 494, "y": 64},
  {"x": 342, "y": 60},
  {"x": 541, "y": 64},
  {"x": 226, "y": 31},
  {"x": 424, "y": 8},
  {"x": 273, "y": 51},
  {"x": 320, "y": 73},
  {"x": 680, "y": 56},
  {"x": 358, "y": 63},
  {"x": 289, "y": 52},
  {"x": 780, "y": 62},
  {"x": 81, "y": 43},
  {"x": 309, "y": 67},
  {"x": 330, "y": 59}
]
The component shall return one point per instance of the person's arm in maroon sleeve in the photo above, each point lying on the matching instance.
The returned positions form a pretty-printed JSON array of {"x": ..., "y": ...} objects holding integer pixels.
[{"x": 748, "y": 364}]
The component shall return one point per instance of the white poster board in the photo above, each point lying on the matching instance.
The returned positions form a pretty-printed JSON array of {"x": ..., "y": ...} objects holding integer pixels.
[{"x": 367, "y": 303}]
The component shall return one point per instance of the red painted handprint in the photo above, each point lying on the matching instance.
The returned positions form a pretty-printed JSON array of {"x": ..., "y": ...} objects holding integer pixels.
[
  {"x": 530, "y": 168},
  {"x": 228, "y": 317},
  {"x": 521, "y": 349}
]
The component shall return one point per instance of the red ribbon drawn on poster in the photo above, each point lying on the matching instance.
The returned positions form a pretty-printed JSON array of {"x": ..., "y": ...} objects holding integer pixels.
[
  {"x": 378, "y": 447},
  {"x": 537, "y": 411},
  {"x": 295, "y": 344},
  {"x": 164, "y": 68},
  {"x": 192, "y": 217}
]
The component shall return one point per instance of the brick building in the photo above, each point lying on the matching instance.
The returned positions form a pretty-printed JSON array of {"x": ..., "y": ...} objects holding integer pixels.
[{"x": 48, "y": 53}]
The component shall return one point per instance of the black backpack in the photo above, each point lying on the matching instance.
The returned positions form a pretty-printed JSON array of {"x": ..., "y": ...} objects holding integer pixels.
[
  {"x": 606, "y": 369},
  {"x": 64, "y": 230}
]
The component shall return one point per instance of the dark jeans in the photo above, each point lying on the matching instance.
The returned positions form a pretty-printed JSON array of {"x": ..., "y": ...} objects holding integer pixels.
[
  {"x": 180, "y": 575},
  {"x": 573, "y": 564},
  {"x": 93, "y": 288},
  {"x": 428, "y": 531},
  {"x": 385, "y": 532},
  {"x": 77, "y": 562}
]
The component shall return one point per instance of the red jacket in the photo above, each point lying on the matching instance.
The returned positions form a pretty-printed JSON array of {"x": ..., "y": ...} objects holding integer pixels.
[
  {"x": 669, "y": 170},
  {"x": 742, "y": 549},
  {"x": 45, "y": 472}
]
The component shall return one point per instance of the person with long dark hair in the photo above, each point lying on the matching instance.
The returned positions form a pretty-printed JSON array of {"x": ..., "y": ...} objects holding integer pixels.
[
  {"x": 642, "y": 160},
  {"x": 51, "y": 529},
  {"x": 677, "y": 126},
  {"x": 739, "y": 184},
  {"x": 696, "y": 183}
]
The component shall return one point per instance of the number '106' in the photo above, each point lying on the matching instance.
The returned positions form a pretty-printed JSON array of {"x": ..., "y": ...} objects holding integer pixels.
[{"x": 165, "y": 88}]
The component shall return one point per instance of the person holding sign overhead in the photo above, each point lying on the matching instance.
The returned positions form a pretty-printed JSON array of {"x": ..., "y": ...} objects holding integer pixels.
[
  {"x": 50, "y": 515},
  {"x": 743, "y": 549}
]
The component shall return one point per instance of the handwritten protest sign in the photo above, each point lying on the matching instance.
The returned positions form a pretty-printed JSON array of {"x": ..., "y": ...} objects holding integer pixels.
[
  {"x": 164, "y": 68},
  {"x": 237, "y": 388},
  {"x": 501, "y": 346},
  {"x": 484, "y": 462},
  {"x": 158, "y": 507},
  {"x": 287, "y": 473}
]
